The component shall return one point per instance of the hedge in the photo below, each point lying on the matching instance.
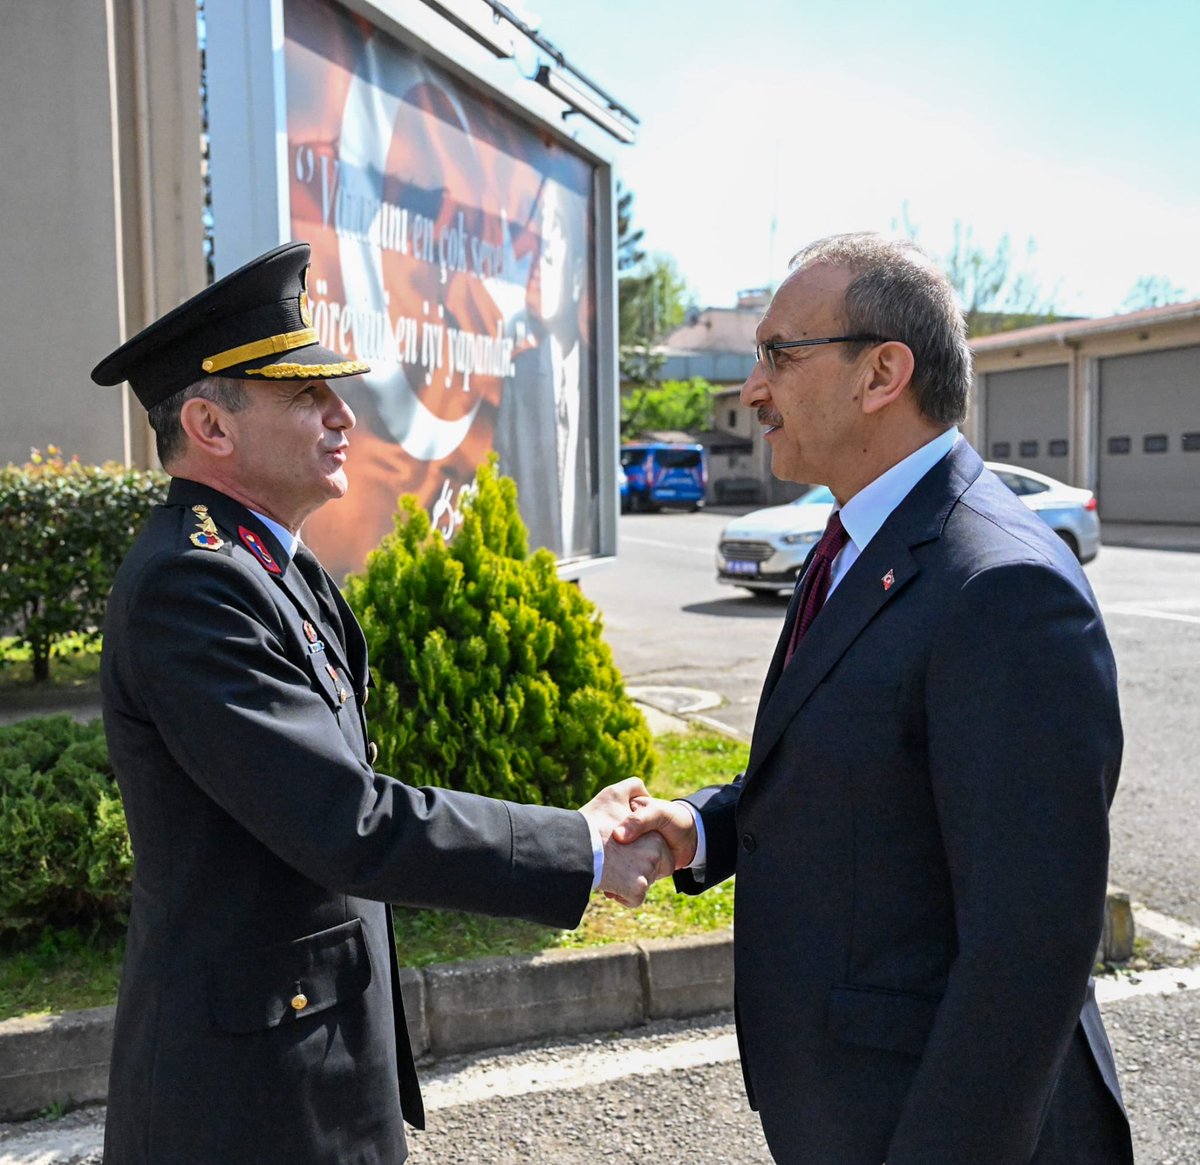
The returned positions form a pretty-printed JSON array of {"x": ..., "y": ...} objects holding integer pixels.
[
  {"x": 64, "y": 529},
  {"x": 65, "y": 857}
]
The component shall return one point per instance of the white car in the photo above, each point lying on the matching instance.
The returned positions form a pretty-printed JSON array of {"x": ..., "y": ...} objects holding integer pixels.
[{"x": 764, "y": 550}]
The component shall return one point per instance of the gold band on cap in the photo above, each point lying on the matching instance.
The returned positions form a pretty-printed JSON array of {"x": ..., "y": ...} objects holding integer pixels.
[
  {"x": 268, "y": 347},
  {"x": 310, "y": 371}
]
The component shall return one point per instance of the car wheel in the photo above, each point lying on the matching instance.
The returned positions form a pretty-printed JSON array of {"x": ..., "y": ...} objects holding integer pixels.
[{"x": 1069, "y": 539}]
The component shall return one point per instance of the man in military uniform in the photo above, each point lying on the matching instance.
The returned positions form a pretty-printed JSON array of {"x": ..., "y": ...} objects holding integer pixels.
[{"x": 260, "y": 1017}]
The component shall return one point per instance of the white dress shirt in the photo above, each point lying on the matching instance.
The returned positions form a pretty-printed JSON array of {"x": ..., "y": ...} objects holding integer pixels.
[{"x": 862, "y": 517}]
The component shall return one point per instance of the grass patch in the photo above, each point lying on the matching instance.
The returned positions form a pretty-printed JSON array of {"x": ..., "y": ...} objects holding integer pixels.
[
  {"x": 62, "y": 971},
  {"x": 74, "y": 663},
  {"x": 686, "y": 762},
  {"x": 59, "y": 971}
]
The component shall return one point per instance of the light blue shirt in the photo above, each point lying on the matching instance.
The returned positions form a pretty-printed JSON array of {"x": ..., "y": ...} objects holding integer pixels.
[
  {"x": 287, "y": 539},
  {"x": 862, "y": 517}
]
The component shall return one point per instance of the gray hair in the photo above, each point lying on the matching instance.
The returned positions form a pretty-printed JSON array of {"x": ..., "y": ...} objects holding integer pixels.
[
  {"x": 169, "y": 437},
  {"x": 897, "y": 292}
]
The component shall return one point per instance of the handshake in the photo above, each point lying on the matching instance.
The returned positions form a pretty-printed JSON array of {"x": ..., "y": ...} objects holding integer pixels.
[{"x": 645, "y": 838}]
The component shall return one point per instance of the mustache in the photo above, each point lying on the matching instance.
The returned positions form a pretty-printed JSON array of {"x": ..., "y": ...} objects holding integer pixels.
[{"x": 768, "y": 416}]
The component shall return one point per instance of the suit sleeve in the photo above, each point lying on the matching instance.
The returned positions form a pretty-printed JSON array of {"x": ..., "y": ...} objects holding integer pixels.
[
  {"x": 207, "y": 656},
  {"x": 717, "y": 806},
  {"x": 1024, "y": 742}
]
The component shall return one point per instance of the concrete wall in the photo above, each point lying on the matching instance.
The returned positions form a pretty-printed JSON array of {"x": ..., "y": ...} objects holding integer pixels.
[
  {"x": 101, "y": 197},
  {"x": 59, "y": 307}
]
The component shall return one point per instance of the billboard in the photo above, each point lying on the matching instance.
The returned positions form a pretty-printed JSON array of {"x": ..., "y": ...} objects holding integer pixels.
[{"x": 454, "y": 249}]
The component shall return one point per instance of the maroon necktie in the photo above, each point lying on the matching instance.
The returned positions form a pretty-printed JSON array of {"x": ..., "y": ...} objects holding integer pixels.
[{"x": 815, "y": 585}]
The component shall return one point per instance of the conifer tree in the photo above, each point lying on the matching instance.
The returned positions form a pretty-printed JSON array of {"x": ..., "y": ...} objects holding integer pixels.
[{"x": 491, "y": 673}]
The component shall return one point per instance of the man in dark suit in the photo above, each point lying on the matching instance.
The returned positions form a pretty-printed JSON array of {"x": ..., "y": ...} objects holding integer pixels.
[
  {"x": 920, "y": 836},
  {"x": 260, "y": 1018},
  {"x": 544, "y": 423}
]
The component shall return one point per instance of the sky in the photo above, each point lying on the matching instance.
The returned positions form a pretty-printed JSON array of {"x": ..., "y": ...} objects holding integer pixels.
[{"x": 1070, "y": 126}]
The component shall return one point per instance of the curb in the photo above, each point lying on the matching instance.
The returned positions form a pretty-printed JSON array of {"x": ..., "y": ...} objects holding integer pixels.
[{"x": 450, "y": 1008}]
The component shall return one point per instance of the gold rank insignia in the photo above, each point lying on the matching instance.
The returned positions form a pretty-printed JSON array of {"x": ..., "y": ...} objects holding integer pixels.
[{"x": 206, "y": 536}]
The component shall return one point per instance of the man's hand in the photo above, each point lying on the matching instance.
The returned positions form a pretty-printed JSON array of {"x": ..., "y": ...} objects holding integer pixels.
[
  {"x": 629, "y": 869},
  {"x": 672, "y": 819}
]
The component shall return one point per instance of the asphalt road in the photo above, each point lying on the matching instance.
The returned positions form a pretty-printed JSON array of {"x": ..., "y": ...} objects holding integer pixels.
[{"x": 669, "y": 622}]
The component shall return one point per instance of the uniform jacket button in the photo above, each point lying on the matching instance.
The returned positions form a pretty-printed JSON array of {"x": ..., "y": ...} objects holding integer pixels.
[
  {"x": 299, "y": 1001},
  {"x": 748, "y": 843},
  {"x": 372, "y": 753}
]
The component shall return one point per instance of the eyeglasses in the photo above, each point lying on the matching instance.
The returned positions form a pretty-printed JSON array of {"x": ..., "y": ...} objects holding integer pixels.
[{"x": 765, "y": 353}]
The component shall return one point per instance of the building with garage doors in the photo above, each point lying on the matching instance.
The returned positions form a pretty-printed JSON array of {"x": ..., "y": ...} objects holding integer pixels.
[{"x": 1110, "y": 404}]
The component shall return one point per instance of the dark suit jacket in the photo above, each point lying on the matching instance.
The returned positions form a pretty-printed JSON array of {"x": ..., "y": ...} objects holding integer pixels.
[
  {"x": 264, "y": 847},
  {"x": 920, "y": 840}
]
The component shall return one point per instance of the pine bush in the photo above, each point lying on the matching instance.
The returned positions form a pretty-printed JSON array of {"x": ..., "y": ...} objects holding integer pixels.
[
  {"x": 65, "y": 857},
  {"x": 491, "y": 672}
]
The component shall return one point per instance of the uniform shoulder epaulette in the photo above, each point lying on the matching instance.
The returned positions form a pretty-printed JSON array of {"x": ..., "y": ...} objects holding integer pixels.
[{"x": 205, "y": 536}]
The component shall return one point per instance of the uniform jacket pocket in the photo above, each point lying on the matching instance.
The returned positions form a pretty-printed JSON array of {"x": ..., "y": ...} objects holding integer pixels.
[
  {"x": 894, "y": 1021},
  {"x": 289, "y": 981}
]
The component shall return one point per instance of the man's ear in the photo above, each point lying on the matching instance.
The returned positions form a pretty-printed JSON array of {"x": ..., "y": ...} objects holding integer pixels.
[
  {"x": 889, "y": 374},
  {"x": 207, "y": 427}
]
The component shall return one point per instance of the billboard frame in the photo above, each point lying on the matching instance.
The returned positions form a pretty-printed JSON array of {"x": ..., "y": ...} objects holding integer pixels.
[{"x": 248, "y": 151}]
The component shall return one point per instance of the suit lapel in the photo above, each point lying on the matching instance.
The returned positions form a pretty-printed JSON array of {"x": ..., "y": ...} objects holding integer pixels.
[
  {"x": 859, "y": 597},
  {"x": 882, "y": 572},
  {"x": 293, "y": 583}
]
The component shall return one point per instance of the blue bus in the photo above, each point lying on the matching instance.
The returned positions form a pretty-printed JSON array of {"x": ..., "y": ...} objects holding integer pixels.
[{"x": 659, "y": 474}]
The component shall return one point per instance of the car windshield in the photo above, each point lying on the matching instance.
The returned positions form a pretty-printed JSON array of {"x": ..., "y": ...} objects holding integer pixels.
[
  {"x": 677, "y": 458},
  {"x": 817, "y": 496},
  {"x": 1020, "y": 484}
]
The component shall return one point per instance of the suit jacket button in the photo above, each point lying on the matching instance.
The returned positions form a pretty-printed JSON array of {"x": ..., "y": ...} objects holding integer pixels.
[
  {"x": 299, "y": 1001},
  {"x": 748, "y": 843},
  {"x": 372, "y": 753}
]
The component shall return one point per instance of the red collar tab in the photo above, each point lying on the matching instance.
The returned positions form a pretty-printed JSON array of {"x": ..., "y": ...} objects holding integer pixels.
[{"x": 258, "y": 548}]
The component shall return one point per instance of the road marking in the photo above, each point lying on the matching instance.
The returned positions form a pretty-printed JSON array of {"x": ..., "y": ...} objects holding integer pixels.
[
  {"x": 1146, "y": 613},
  {"x": 594, "y": 1065},
  {"x": 1168, "y": 927},
  {"x": 707, "y": 551},
  {"x": 1164, "y": 981}
]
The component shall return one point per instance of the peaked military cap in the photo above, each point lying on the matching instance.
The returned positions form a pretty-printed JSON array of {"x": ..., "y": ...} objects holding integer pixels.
[{"x": 253, "y": 324}]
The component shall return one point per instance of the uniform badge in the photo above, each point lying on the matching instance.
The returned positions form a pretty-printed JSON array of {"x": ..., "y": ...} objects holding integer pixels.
[
  {"x": 342, "y": 694},
  {"x": 888, "y": 580},
  {"x": 206, "y": 536},
  {"x": 258, "y": 548}
]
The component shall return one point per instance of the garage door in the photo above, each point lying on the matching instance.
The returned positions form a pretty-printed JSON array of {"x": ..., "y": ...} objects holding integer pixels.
[
  {"x": 1028, "y": 419},
  {"x": 1150, "y": 437}
]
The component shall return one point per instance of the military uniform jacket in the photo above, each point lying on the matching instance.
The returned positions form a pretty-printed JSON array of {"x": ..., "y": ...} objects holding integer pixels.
[
  {"x": 920, "y": 840},
  {"x": 259, "y": 1019}
]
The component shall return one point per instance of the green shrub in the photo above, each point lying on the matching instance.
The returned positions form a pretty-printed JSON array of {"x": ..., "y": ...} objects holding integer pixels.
[
  {"x": 64, "y": 528},
  {"x": 65, "y": 857},
  {"x": 492, "y": 674}
]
